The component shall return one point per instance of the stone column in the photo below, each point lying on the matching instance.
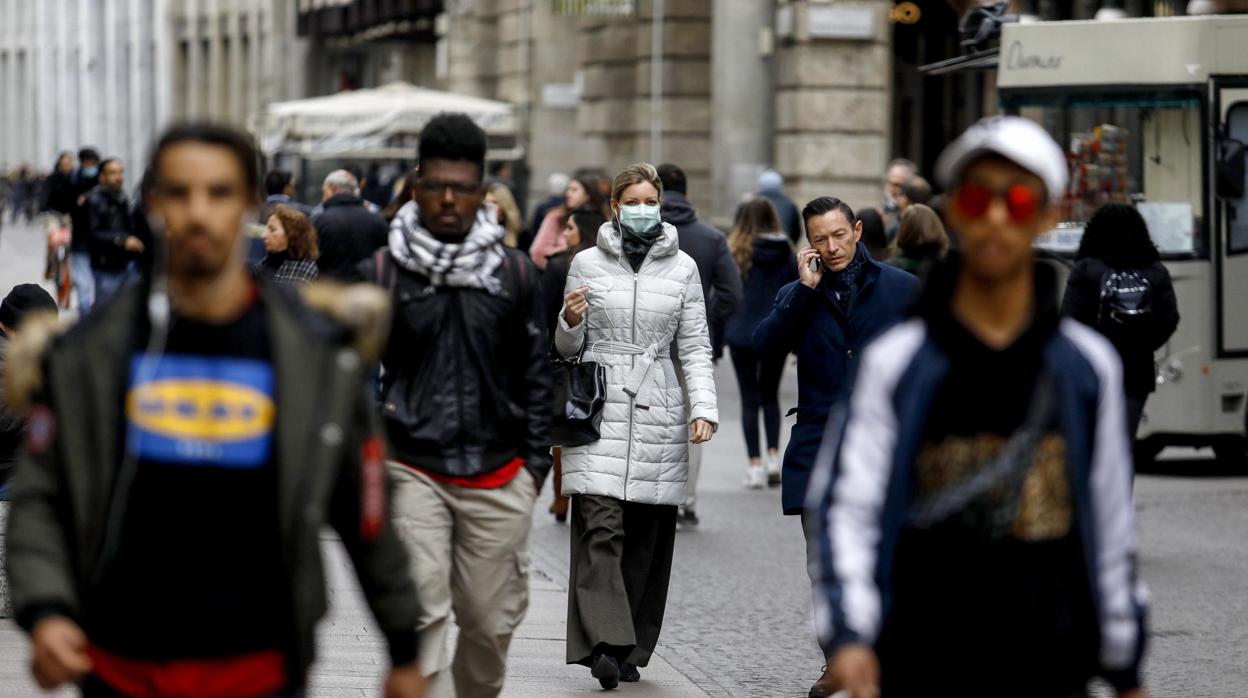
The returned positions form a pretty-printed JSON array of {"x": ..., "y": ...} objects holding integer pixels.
[
  {"x": 163, "y": 73},
  {"x": 552, "y": 136},
  {"x": 195, "y": 60},
  {"x": 832, "y": 103},
  {"x": 742, "y": 106},
  {"x": 616, "y": 108}
]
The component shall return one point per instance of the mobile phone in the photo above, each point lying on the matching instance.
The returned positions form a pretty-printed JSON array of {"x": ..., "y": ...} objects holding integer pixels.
[{"x": 815, "y": 264}]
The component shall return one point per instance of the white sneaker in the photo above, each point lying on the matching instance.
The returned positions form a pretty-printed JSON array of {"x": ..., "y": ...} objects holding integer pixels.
[
  {"x": 773, "y": 471},
  {"x": 756, "y": 478}
]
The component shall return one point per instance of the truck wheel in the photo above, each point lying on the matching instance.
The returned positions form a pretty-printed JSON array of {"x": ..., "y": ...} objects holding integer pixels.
[
  {"x": 1145, "y": 453},
  {"x": 1232, "y": 453}
]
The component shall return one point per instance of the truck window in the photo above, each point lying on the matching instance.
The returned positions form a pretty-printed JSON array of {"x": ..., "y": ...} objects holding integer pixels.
[
  {"x": 1237, "y": 226},
  {"x": 1141, "y": 148}
]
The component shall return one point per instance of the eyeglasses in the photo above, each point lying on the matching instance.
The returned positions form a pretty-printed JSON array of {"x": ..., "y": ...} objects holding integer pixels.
[
  {"x": 1021, "y": 201},
  {"x": 457, "y": 188}
]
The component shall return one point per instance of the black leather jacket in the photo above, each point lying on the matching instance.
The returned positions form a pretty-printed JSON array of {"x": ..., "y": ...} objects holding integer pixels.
[
  {"x": 109, "y": 224},
  {"x": 466, "y": 386}
]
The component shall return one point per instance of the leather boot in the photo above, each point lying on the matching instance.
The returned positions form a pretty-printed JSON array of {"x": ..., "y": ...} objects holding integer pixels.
[{"x": 825, "y": 686}]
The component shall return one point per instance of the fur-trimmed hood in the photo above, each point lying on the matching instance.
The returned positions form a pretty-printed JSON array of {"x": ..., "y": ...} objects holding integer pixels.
[
  {"x": 362, "y": 309},
  {"x": 23, "y": 365}
]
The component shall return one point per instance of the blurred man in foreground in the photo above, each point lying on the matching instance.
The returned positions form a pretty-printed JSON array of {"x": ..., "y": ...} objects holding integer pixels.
[
  {"x": 976, "y": 528},
  {"x": 186, "y": 444}
]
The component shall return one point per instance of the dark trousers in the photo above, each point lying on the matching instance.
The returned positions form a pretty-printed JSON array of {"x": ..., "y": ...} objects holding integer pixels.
[
  {"x": 617, "y": 582},
  {"x": 758, "y": 377},
  {"x": 1135, "y": 411}
]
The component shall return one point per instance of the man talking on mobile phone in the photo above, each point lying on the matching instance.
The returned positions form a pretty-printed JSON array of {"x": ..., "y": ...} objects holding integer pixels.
[{"x": 841, "y": 300}]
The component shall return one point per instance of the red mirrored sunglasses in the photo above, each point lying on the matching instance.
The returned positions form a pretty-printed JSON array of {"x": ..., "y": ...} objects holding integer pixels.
[{"x": 1021, "y": 201}]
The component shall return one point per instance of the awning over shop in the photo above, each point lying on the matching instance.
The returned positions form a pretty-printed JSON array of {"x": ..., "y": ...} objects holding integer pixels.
[{"x": 376, "y": 124}]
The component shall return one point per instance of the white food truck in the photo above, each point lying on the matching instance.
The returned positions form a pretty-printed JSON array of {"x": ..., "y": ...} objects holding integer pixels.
[{"x": 1155, "y": 112}]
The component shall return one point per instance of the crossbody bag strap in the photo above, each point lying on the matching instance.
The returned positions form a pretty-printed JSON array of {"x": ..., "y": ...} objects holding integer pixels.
[{"x": 1009, "y": 468}]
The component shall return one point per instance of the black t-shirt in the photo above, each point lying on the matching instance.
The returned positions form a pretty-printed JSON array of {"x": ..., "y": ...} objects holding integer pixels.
[
  {"x": 198, "y": 571},
  {"x": 993, "y": 598}
]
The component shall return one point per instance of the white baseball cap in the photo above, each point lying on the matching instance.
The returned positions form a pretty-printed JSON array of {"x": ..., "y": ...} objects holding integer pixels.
[{"x": 1021, "y": 141}]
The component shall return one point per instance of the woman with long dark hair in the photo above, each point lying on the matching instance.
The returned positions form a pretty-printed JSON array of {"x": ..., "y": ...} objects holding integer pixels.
[
  {"x": 766, "y": 261},
  {"x": 1120, "y": 288},
  {"x": 581, "y": 192},
  {"x": 580, "y": 232},
  {"x": 921, "y": 240},
  {"x": 402, "y": 196}
]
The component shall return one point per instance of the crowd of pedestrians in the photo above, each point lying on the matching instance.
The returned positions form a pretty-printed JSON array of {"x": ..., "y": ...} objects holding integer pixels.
[{"x": 959, "y": 463}]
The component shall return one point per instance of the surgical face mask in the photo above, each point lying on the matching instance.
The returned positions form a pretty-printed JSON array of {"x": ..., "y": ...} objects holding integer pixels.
[
  {"x": 90, "y": 171},
  {"x": 639, "y": 217}
]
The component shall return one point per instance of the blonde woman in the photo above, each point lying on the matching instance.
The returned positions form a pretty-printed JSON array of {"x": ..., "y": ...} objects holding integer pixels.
[
  {"x": 626, "y": 300},
  {"x": 508, "y": 212}
]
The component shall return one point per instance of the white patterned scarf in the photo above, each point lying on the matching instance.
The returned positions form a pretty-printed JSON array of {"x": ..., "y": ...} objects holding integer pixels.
[{"x": 470, "y": 264}]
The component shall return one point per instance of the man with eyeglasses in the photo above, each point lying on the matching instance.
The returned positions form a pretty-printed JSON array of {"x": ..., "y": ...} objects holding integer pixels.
[
  {"x": 976, "y": 528},
  {"x": 347, "y": 232},
  {"x": 841, "y": 300},
  {"x": 465, "y": 401}
]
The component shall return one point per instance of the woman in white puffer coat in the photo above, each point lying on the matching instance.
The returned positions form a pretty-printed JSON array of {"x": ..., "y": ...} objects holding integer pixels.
[{"x": 626, "y": 301}]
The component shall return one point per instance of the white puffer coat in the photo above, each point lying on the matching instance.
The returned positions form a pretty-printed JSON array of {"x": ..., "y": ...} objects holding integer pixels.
[{"x": 643, "y": 455}]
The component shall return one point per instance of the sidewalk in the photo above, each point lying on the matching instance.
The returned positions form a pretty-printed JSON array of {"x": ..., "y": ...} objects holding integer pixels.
[{"x": 352, "y": 656}]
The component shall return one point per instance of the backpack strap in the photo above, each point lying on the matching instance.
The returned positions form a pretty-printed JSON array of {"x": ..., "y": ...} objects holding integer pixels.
[{"x": 384, "y": 273}]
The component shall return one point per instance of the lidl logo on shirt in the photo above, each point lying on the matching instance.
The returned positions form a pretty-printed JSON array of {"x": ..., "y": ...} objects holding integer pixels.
[{"x": 201, "y": 410}]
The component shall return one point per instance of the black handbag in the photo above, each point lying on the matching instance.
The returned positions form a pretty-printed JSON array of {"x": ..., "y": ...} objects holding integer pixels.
[{"x": 579, "y": 392}]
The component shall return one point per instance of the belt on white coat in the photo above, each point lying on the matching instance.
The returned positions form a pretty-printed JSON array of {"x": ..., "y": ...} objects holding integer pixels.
[{"x": 636, "y": 384}]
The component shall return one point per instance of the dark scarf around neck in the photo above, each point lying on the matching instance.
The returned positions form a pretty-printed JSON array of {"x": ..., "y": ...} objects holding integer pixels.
[
  {"x": 844, "y": 284},
  {"x": 637, "y": 244}
]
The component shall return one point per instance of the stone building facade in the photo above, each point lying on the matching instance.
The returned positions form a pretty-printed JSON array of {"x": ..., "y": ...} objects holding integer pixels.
[
  {"x": 733, "y": 96},
  {"x": 112, "y": 73}
]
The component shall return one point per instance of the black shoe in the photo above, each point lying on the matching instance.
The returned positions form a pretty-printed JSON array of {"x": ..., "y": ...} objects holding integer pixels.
[
  {"x": 606, "y": 670},
  {"x": 688, "y": 518},
  {"x": 773, "y": 479},
  {"x": 629, "y": 673}
]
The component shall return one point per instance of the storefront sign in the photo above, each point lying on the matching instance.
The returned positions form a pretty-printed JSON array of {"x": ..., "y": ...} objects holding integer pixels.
[{"x": 854, "y": 22}]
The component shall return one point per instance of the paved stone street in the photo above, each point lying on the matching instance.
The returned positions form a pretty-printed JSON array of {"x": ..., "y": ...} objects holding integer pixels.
[{"x": 738, "y": 621}]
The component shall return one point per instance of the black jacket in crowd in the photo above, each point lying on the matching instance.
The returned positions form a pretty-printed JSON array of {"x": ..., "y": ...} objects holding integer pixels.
[
  {"x": 347, "y": 233},
  {"x": 554, "y": 278},
  {"x": 721, "y": 281},
  {"x": 109, "y": 223},
  {"x": 466, "y": 386},
  {"x": 1137, "y": 344},
  {"x": 60, "y": 193},
  {"x": 81, "y": 185}
]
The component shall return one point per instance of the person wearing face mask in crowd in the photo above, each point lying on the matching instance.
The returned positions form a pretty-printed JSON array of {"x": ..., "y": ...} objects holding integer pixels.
[
  {"x": 841, "y": 300},
  {"x": 83, "y": 181},
  {"x": 626, "y": 300},
  {"x": 580, "y": 192}
]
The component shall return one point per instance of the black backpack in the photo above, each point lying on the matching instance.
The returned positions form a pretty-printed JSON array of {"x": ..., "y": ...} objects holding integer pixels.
[{"x": 1126, "y": 298}]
